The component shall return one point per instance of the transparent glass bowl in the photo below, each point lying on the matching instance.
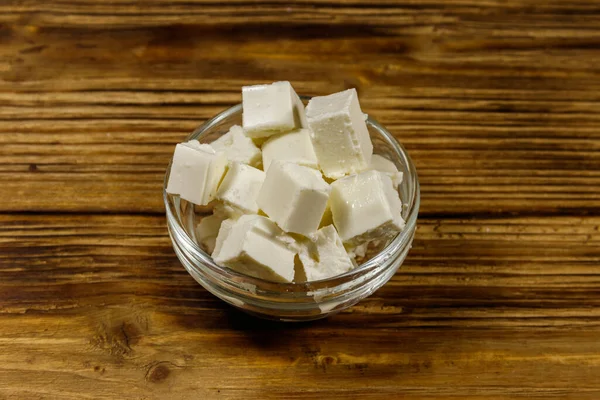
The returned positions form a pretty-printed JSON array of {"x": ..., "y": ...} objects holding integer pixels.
[{"x": 293, "y": 301}]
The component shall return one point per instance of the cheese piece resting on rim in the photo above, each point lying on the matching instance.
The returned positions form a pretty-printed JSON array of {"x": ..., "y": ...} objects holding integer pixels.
[
  {"x": 339, "y": 132},
  {"x": 196, "y": 171}
]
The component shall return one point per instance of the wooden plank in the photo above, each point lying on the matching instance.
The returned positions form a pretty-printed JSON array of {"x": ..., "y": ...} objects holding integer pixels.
[
  {"x": 483, "y": 308},
  {"x": 551, "y": 15},
  {"x": 495, "y": 125},
  {"x": 530, "y": 266},
  {"x": 132, "y": 354}
]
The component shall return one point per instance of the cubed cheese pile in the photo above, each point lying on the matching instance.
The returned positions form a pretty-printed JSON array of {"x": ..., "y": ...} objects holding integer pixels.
[{"x": 296, "y": 192}]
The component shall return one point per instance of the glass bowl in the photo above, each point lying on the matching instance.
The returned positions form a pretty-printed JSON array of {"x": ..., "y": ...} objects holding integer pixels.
[{"x": 293, "y": 301}]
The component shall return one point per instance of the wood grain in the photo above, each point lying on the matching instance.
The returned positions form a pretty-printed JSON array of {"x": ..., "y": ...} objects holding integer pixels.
[
  {"x": 497, "y": 102},
  {"x": 512, "y": 119},
  {"x": 132, "y": 317}
]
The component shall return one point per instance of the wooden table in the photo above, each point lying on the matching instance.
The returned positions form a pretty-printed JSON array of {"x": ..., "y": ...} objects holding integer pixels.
[{"x": 498, "y": 102}]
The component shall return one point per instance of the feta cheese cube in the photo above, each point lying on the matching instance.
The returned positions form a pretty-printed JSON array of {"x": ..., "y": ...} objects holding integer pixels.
[
  {"x": 240, "y": 187},
  {"x": 207, "y": 231},
  {"x": 293, "y": 196},
  {"x": 251, "y": 247},
  {"x": 271, "y": 109},
  {"x": 223, "y": 234},
  {"x": 226, "y": 211},
  {"x": 382, "y": 164},
  {"x": 196, "y": 172},
  {"x": 365, "y": 207},
  {"x": 339, "y": 132},
  {"x": 325, "y": 257},
  {"x": 238, "y": 147},
  {"x": 295, "y": 147}
]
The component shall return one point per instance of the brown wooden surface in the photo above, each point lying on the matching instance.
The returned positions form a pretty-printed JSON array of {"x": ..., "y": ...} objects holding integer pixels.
[{"x": 498, "y": 102}]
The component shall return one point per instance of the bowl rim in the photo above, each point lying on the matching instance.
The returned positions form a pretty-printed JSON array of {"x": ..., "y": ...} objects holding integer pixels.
[{"x": 395, "y": 244}]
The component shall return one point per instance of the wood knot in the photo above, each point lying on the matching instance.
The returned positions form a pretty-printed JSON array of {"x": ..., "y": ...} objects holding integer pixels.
[
  {"x": 159, "y": 371},
  {"x": 99, "y": 369},
  {"x": 117, "y": 336}
]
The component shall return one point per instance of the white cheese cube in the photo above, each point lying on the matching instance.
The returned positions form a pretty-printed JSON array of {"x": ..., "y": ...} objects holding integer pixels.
[
  {"x": 339, "y": 132},
  {"x": 365, "y": 206},
  {"x": 295, "y": 197},
  {"x": 326, "y": 256},
  {"x": 226, "y": 211},
  {"x": 271, "y": 109},
  {"x": 251, "y": 247},
  {"x": 238, "y": 147},
  {"x": 196, "y": 172},
  {"x": 224, "y": 232},
  {"x": 382, "y": 164},
  {"x": 240, "y": 187},
  {"x": 207, "y": 231},
  {"x": 295, "y": 147}
]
